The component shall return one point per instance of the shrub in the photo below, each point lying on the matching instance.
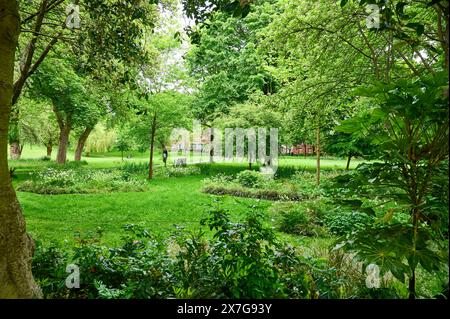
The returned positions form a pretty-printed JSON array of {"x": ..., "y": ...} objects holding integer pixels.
[
  {"x": 346, "y": 222},
  {"x": 250, "y": 179},
  {"x": 81, "y": 181},
  {"x": 224, "y": 168},
  {"x": 239, "y": 191},
  {"x": 298, "y": 219},
  {"x": 161, "y": 171},
  {"x": 238, "y": 259},
  {"x": 177, "y": 171}
]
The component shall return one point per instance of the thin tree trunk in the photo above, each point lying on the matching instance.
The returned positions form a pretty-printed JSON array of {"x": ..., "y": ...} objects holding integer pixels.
[
  {"x": 63, "y": 142},
  {"x": 16, "y": 247},
  {"x": 49, "y": 150},
  {"x": 81, "y": 142},
  {"x": 211, "y": 152},
  {"x": 348, "y": 161},
  {"x": 412, "y": 279},
  {"x": 318, "y": 155},
  {"x": 152, "y": 146},
  {"x": 15, "y": 150}
]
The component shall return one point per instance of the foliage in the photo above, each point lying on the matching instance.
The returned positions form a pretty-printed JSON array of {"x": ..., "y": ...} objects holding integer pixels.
[
  {"x": 344, "y": 222},
  {"x": 252, "y": 185},
  {"x": 250, "y": 179},
  {"x": 240, "y": 260},
  {"x": 101, "y": 140},
  {"x": 226, "y": 61},
  {"x": 160, "y": 171},
  {"x": 298, "y": 219},
  {"x": 410, "y": 127},
  {"x": 82, "y": 181}
]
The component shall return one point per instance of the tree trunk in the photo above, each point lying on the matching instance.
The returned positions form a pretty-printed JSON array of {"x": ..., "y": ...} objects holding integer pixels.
[
  {"x": 49, "y": 150},
  {"x": 81, "y": 142},
  {"x": 318, "y": 156},
  {"x": 348, "y": 161},
  {"x": 15, "y": 150},
  {"x": 63, "y": 142},
  {"x": 152, "y": 147},
  {"x": 16, "y": 247},
  {"x": 412, "y": 279},
  {"x": 211, "y": 152}
]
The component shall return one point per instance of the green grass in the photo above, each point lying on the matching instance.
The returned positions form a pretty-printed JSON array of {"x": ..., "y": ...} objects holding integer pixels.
[
  {"x": 113, "y": 159},
  {"x": 32, "y": 154},
  {"x": 327, "y": 163},
  {"x": 169, "y": 201}
]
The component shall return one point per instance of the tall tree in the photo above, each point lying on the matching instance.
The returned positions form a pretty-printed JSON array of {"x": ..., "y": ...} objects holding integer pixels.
[
  {"x": 16, "y": 247},
  {"x": 96, "y": 41}
]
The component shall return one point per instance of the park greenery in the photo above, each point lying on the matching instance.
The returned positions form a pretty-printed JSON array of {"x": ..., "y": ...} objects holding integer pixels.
[{"x": 91, "y": 91}]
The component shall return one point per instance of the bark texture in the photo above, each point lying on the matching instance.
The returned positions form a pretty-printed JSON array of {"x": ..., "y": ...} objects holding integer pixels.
[
  {"x": 152, "y": 146},
  {"x": 15, "y": 150},
  {"x": 81, "y": 142},
  {"x": 16, "y": 247}
]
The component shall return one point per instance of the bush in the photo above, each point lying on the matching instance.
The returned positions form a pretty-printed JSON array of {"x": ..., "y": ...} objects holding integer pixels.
[
  {"x": 250, "y": 184},
  {"x": 177, "y": 171},
  {"x": 346, "y": 222},
  {"x": 239, "y": 191},
  {"x": 224, "y": 168},
  {"x": 297, "y": 219},
  {"x": 238, "y": 259},
  {"x": 82, "y": 181},
  {"x": 250, "y": 179},
  {"x": 161, "y": 171}
]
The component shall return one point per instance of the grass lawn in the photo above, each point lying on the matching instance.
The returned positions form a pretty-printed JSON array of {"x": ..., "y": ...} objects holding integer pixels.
[
  {"x": 169, "y": 201},
  {"x": 108, "y": 160}
]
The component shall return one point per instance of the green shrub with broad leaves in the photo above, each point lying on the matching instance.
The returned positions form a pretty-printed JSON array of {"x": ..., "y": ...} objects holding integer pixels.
[
  {"x": 346, "y": 222},
  {"x": 224, "y": 259}
]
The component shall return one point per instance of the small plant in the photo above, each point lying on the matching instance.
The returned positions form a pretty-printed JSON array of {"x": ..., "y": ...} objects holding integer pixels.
[
  {"x": 82, "y": 181},
  {"x": 297, "y": 218},
  {"x": 250, "y": 179},
  {"x": 346, "y": 222}
]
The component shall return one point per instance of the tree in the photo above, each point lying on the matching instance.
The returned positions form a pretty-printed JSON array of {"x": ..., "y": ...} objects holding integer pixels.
[
  {"x": 226, "y": 64},
  {"x": 123, "y": 143},
  {"x": 320, "y": 50},
  {"x": 72, "y": 103},
  {"x": 158, "y": 115},
  {"x": 410, "y": 127},
  {"x": 255, "y": 113},
  {"x": 37, "y": 123},
  {"x": 16, "y": 246},
  {"x": 99, "y": 47}
]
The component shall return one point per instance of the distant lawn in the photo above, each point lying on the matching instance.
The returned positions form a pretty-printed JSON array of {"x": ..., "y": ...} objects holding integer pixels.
[
  {"x": 170, "y": 201},
  {"x": 32, "y": 154},
  {"x": 113, "y": 159}
]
